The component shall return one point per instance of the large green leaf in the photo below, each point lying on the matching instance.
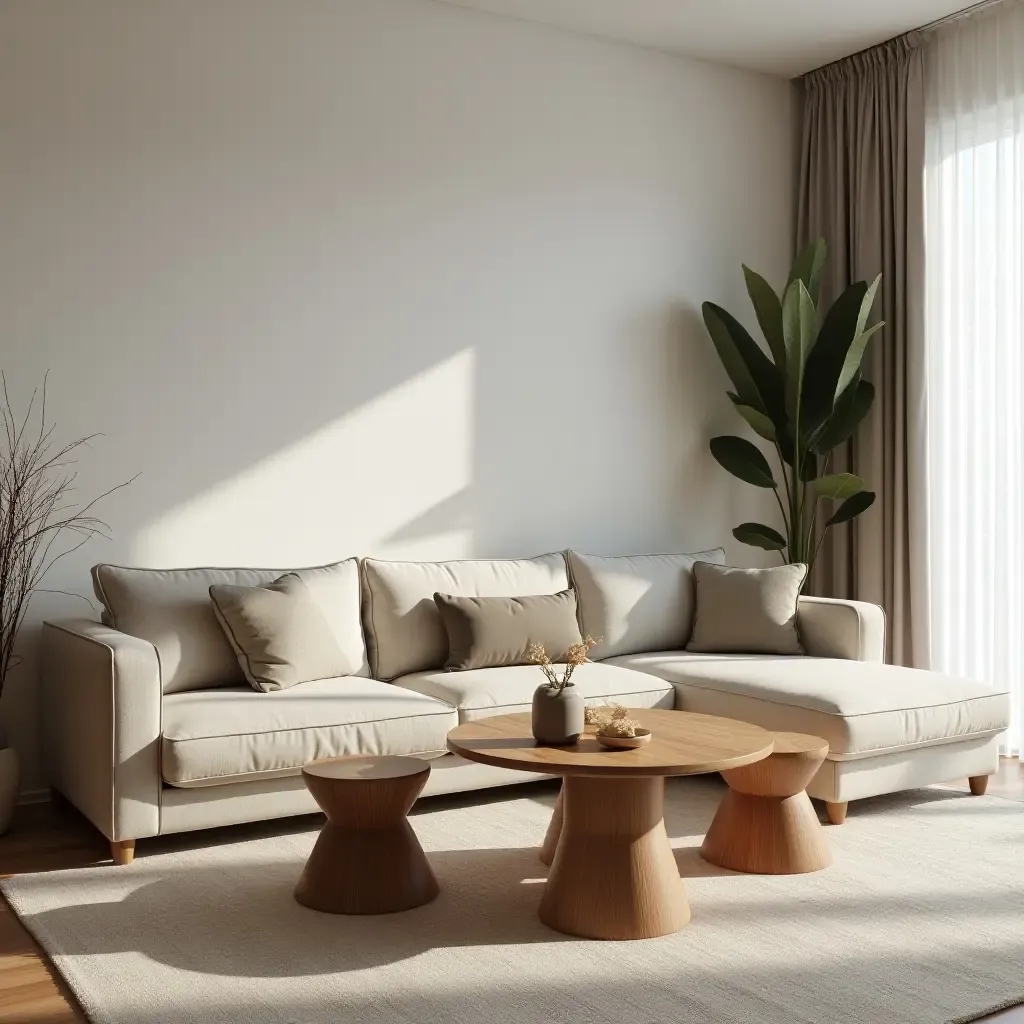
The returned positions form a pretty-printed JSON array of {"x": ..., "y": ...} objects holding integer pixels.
[
  {"x": 825, "y": 363},
  {"x": 867, "y": 303},
  {"x": 758, "y": 535},
  {"x": 851, "y": 408},
  {"x": 808, "y": 467},
  {"x": 734, "y": 363},
  {"x": 851, "y": 365},
  {"x": 760, "y": 423},
  {"x": 838, "y": 485},
  {"x": 768, "y": 308},
  {"x": 757, "y": 379},
  {"x": 799, "y": 324},
  {"x": 852, "y": 507},
  {"x": 808, "y": 267},
  {"x": 743, "y": 459}
]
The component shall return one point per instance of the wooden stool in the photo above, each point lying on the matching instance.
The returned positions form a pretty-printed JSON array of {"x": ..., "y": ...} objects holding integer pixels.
[
  {"x": 367, "y": 859},
  {"x": 766, "y": 824}
]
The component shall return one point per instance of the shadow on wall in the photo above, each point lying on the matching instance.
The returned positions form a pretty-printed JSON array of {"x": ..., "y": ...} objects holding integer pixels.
[{"x": 493, "y": 450}]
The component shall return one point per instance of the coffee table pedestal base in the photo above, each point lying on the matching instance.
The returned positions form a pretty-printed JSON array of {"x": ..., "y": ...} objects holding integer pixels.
[{"x": 614, "y": 875}]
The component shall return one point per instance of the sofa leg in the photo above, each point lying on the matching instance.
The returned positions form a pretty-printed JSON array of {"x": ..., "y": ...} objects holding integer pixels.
[
  {"x": 978, "y": 784},
  {"x": 123, "y": 851},
  {"x": 836, "y": 812}
]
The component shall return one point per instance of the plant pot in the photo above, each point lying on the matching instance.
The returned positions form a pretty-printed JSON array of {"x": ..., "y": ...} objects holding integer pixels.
[
  {"x": 10, "y": 776},
  {"x": 557, "y": 716}
]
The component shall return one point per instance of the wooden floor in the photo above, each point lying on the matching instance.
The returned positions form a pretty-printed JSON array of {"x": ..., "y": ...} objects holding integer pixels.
[{"x": 46, "y": 837}]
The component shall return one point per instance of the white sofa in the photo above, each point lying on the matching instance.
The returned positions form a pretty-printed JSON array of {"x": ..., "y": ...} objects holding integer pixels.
[{"x": 152, "y": 729}]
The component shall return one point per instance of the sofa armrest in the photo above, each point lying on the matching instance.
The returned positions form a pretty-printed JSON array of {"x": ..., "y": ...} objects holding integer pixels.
[
  {"x": 852, "y": 630},
  {"x": 101, "y": 712}
]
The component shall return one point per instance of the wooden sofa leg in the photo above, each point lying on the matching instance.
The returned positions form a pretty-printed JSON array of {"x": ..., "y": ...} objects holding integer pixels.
[
  {"x": 123, "y": 851},
  {"x": 978, "y": 784},
  {"x": 836, "y": 812}
]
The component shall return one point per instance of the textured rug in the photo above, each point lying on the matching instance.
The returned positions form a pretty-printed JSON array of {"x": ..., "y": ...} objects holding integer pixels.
[{"x": 919, "y": 921}]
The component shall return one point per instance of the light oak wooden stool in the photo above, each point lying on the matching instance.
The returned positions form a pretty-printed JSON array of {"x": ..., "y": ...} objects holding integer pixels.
[
  {"x": 367, "y": 859},
  {"x": 765, "y": 824}
]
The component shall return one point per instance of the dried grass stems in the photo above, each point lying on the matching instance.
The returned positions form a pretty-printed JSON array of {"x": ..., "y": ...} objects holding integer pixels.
[
  {"x": 611, "y": 720},
  {"x": 578, "y": 654},
  {"x": 37, "y": 511}
]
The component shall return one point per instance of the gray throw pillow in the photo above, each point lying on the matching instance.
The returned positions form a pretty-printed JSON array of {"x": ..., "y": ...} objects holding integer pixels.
[
  {"x": 488, "y": 632},
  {"x": 746, "y": 611},
  {"x": 279, "y": 634}
]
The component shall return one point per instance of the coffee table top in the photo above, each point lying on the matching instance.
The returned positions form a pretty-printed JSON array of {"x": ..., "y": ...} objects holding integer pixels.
[
  {"x": 795, "y": 743},
  {"x": 682, "y": 743},
  {"x": 387, "y": 766}
]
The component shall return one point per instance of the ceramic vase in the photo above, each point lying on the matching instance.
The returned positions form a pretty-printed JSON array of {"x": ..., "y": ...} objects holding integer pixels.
[{"x": 557, "y": 716}]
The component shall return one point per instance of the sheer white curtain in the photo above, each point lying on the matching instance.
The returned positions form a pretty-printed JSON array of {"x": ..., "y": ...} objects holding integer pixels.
[{"x": 974, "y": 352}]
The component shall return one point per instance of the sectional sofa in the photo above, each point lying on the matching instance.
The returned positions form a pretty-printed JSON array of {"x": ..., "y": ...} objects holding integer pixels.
[{"x": 152, "y": 729}]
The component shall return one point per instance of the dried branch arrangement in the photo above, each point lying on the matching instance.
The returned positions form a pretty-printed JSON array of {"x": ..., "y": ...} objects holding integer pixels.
[
  {"x": 38, "y": 512},
  {"x": 578, "y": 654}
]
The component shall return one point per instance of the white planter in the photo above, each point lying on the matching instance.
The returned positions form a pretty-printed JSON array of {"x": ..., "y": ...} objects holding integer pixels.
[{"x": 10, "y": 776}]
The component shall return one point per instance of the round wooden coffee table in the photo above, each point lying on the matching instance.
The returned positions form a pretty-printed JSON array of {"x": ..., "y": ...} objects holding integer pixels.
[
  {"x": 367, "y": 859},
  {"x": 613, "y": 875},
  {"x": 766, "y": 824}
]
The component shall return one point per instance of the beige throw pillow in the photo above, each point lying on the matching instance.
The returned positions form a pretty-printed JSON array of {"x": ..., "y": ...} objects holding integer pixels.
[
  {"x": 746, "y": 611},
  {"x": 488, "y": 632},
  {"x": 279, "y": 634},
  {"x": 637, "y": 602}
]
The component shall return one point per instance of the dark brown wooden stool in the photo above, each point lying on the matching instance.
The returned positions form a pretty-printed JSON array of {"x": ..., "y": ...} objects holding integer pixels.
[{"x": 367, "y": 859}]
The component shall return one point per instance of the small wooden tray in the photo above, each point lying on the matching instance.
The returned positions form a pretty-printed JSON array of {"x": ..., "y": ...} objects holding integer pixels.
[{"x": 625, "y": 742}]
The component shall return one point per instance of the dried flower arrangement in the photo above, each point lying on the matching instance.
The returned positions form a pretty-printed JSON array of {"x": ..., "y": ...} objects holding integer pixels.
[
  {"x": 612, "y": 720},
  {"x": 578, "y": 654}
]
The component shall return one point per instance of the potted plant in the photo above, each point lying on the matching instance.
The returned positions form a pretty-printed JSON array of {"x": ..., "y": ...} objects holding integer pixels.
[
  {"x": 557, "y": 707},
  {"x": 803, "y": 393},
  {"x": 40, "y": 523}
]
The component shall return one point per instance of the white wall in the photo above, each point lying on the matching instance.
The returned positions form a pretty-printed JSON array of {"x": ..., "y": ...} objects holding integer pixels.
[{"x": 375, "y": 276}]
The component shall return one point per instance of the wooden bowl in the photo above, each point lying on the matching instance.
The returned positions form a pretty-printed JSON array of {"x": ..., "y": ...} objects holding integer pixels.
[{"x": 625, "y": 742}]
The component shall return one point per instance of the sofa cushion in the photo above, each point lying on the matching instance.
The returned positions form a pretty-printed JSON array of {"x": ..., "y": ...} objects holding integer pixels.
[
  {"x": 279, "y": 634},
  {"x": 404, "y": 631},
  {"x": 861, "y": 708},
  {"x": 749, "y": 611},
  {"x": 489, "y": 632},
  {"x": 637, "y": 602},
  {"x": 478, "y": 693},
  {"x": 237, "y": 735},
  {"x": 171, "y": 609}
]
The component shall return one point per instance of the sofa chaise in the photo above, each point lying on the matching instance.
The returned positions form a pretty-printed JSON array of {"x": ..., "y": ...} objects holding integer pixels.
[{"x": 151, "y": 728}]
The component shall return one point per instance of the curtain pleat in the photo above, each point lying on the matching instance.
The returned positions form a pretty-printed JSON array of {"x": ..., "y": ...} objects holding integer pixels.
[
  {"x": 974, "y": 224},
  {"x": 861, "y": 190}
]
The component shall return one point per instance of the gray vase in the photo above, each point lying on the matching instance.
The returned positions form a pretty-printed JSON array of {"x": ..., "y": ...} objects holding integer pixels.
[{"x": 557, "y": 715}]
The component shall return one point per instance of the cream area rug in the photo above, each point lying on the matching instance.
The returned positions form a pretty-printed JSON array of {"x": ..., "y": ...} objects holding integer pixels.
[{"x": 919, "y": 921}]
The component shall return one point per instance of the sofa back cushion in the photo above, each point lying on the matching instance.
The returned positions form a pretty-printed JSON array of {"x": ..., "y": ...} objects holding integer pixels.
[
  {"x": 404, "y": 631},
  {"x": 637, "y": 603},
  {"x": 171, "y": 608}
]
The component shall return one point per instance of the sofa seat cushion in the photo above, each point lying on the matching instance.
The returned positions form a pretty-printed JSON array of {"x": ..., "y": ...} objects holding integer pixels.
[
  {"x": 234, "y": 734},
  {"x": 862, "y": 709},
  {"x": 478, "y": 693}
]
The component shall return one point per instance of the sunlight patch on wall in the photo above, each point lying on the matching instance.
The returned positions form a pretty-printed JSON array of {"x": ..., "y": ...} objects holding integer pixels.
[{"x": 350, "y": 488}]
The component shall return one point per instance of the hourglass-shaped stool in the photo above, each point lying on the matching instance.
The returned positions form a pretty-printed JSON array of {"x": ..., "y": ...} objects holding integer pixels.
[{"x": 367, "y": 859}]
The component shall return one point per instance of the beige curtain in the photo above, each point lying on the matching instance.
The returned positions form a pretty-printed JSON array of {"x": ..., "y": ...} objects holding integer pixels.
[{"x": 862, "y": 166}]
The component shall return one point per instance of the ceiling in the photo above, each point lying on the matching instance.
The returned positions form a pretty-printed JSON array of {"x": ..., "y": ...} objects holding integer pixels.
[{"x": 780, "y": 37}]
